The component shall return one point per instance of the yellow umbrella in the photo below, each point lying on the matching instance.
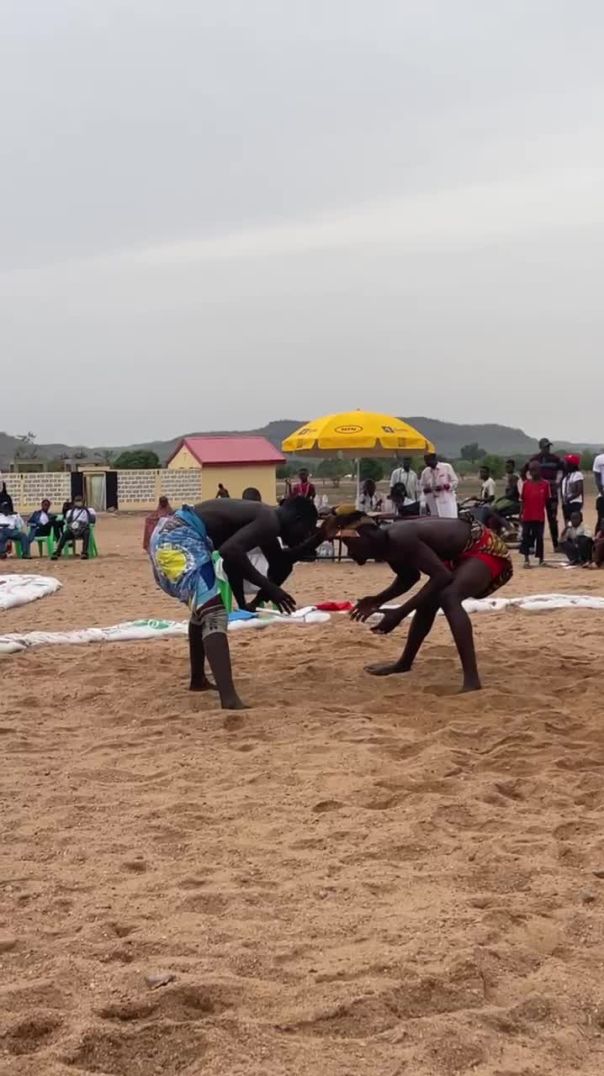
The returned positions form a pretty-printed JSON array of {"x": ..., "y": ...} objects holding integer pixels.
[{"x": 353, "y": 434}]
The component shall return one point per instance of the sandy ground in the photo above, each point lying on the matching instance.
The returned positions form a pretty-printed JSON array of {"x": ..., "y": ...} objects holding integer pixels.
[{"x": 356, "y": 877}]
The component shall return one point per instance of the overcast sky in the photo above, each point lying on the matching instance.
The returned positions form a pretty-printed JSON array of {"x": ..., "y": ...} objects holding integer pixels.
[{"x": 218, "y": 213}]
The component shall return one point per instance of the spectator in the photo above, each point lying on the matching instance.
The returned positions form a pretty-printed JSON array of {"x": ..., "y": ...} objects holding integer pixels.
[
  {"x": 598, "y": 470},
  {"x": 222, "y": 491},
  {"x": 512, "y": 482},
  {"x": 251, "y": 494},
  {"x": 42, "y": 522},
  {"x": 12, "y": 529},
  {"x": 370, "y": 500},
  {"x": 552, "y": 470},
  {"x": 572, "y": 487},
  {"x": 405, "y": 499},
  {"x": 598, "y": 552},
  {"x": 535, "y": 497},
  {"x": 164, "y": 508},
  {"x": 6, "y": 501},
  {"x": 78, "y": 520},
  {"x": 303, "y": 487},
  {"x": 576, "y": 541},
  {"x": 487, "y": 488},
  {"x": 438, "y": 483}
]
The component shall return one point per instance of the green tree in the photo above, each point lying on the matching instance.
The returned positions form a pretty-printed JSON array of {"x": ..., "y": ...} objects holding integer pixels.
[
  {"x": 496, "y": 465},
  {"x": 587, "y": 460},
  {"x": 372, "y": 468},
  {"x": 140, "y": 459},
  {"x": 285, "y": 470},
  {"x": 472, "y": 452},
  {"x": 332, "y": 470}
]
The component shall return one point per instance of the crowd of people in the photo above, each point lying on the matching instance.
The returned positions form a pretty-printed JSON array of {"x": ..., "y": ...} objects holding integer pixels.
[{"x": 72, "y": 524}]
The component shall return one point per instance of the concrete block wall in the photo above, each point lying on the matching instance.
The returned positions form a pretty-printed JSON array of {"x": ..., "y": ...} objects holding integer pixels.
[
  {"x": 137, "y": 489},
  {"x": 28, "y": 489},
  {"x": 181, "y": 487}
]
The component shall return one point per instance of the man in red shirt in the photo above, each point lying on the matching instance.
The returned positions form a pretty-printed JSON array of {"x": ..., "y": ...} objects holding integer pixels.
[
  {"x": 304, "y": 488},
  {"x": 535, "y": 497}
]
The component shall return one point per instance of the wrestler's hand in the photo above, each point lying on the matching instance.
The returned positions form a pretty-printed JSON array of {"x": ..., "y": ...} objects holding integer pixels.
[
  {"x": 365, "y": 607},
  {"x": 284, "y": 601},
  {"x": 390, "y": 620}
]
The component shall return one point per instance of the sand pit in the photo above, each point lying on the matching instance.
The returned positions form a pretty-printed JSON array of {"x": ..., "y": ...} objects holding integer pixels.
[{"x": 355, "y": 878}]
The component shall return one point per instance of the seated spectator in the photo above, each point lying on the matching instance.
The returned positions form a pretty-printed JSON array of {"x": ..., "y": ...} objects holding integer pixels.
[
  {"x": 370, "y": 500},
  {"x": 304, "y": 487},
  {"x": 164, "y": 508},
  {"x": 78, "y": 520},
  {"x": 404, "y": 489},
  {"x": 42, "y": 522},
  {"x": 487, "y": 487},
  {"x": 576, "y": 541},
  {"x": 12, "y": 529}
]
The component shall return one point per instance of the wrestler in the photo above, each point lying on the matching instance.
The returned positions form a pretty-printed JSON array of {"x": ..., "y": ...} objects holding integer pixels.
[
  {"x": 181, "y": 549},
  {"x": 461, "y": 558}
]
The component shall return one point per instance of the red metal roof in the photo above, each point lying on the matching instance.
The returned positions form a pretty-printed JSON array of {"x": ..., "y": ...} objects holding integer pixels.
[{"x": 234, "y": 450}]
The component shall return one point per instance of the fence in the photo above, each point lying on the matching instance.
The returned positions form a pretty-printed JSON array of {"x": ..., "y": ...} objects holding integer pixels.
[{"x": 137, "y": 491}]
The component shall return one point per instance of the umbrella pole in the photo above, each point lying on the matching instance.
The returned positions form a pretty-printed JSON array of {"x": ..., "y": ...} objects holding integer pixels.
[{"x": 358, "y": 483}]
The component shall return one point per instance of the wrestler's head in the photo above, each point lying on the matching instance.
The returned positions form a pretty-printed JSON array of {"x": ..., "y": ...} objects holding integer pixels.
[
  {"x": 297, "y": 520},
  {"x": 362, "y": 536}
]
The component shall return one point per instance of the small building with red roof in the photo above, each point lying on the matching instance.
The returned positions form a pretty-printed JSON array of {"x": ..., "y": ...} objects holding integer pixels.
[{"x": 234, "y": 462}]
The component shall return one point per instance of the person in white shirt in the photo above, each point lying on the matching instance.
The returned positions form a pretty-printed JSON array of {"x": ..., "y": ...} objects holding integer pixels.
[
  {"x": 405, "y": 487},
  {"x": 572, "y": 486},
  {"x": 598, "y": 470},
  {"x": 487, "y": 487},
  {"x": 12, "y": 529},
  {"x": 78, "y": 520},
  {"x": 438, "y": 483},
  {"x": 370, "y": 500}
]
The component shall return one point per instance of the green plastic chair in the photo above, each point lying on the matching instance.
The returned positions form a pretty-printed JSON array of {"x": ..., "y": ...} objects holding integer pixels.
[
  {"x": 47, "y": 542},
  {"x": 93, "y": 549}
]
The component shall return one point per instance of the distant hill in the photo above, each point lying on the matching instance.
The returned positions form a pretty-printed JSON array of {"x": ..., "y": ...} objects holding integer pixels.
[{"x": 447, "y": 436}]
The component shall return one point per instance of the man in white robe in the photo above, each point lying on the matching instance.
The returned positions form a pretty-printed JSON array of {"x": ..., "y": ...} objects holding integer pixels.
[{"x": 438, "y": 483}]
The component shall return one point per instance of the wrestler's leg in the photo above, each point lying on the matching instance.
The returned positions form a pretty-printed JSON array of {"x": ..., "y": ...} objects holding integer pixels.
[
  {"x": 197, "y": 655},
  {"x": 211, "y": 642},
  {"x": 421, "y": 625},
  {"x": 470, "y": 580}
]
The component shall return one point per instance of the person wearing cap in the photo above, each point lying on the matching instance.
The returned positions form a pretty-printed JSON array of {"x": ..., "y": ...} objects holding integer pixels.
[
  {"x": 572, "y": 487},
  {"x": 552, "y": 470}
]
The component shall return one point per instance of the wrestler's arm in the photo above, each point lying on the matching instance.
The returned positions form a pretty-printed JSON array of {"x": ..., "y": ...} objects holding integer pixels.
[
  {"x": 422, "y": 557},
  {"x": 262, "y": 531},
  {"x": 403, "y": 581}
]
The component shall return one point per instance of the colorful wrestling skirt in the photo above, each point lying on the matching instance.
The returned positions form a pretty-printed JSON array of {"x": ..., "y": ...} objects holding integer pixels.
[
  {"x": 484, "y": 545},
  {"x": 181, "y": 555}
]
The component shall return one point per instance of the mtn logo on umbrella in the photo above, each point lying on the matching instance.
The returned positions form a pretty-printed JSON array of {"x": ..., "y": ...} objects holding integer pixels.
[{"x": 348, "y": 429}]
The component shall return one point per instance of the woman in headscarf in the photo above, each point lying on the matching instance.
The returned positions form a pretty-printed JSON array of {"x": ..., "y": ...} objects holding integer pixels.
[
  {"x": 6, "y": 501},
  {"x": 164, "y": 508}
]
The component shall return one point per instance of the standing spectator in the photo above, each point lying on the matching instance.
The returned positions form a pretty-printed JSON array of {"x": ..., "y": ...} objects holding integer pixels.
[
  {"x": 78, "y": 521},
  {"x": 6, "y": 501},
  {"x": 572, "y": 487},
  {"x": 438, "y": 482},
  {"x": 304, "y": 487},
  {"x": 534, "y": 498},
  {"x": 487, "y": 488},
  {"x": 222, "y": 492},
  {"x": 370, "y": 500},
  {"x": 598, "y": 470},
  {"x": 406, "y": 498},
  {"x": 12, "y": 529},
  {"x": 512, "y": 482},
  {"x": 42, "y": 522},
  {"x": 552, "y": 470},
  {"x": 164, "y": 508},
  {"x": 576, "y": 541}
]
